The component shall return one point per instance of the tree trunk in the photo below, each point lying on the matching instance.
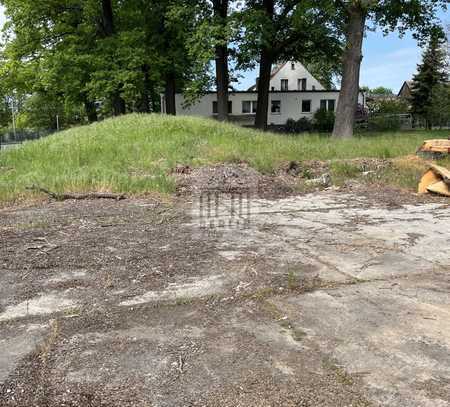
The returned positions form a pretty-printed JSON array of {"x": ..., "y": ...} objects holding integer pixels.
[
  {"x": 265, "y": 70},
  {"x": 91, "y": 111},
  {"x": 169, "y": 94},
  {"x": 118, "y": 104},
  {"x": 222, "y": 74},
  {"x": 348, "y": 97},
  {"x": 155, "y": 99},
  {"x": 107, "y": 18},
  {"x": 262, "y": 109},
  {"x": 144, "y": 103}
]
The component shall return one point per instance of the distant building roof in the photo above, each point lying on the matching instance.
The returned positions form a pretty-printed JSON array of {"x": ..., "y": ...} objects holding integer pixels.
[
  {"x": 275, "y": 70},
  {"x": 405, "y": 90}
]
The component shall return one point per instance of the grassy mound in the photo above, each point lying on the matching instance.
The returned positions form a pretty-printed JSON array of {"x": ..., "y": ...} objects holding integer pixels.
[{"x": 135, "y": 153}]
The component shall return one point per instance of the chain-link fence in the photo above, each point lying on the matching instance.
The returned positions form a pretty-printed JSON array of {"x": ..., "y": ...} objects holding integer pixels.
[{"x": 11, "y": 139}]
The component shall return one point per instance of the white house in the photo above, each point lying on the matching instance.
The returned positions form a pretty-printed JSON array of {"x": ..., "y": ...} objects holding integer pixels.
[
  {"x": 294, "y": 93},
  {"x": 290, "y": 76}
]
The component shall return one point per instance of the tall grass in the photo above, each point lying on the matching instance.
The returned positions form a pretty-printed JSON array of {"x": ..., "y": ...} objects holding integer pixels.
[{"x": 135, "y": 153}]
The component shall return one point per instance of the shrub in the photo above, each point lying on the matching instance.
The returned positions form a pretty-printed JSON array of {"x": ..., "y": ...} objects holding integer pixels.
[
  {"x": 388, "y": 106},
  {"x": 384, "y": 123},
  {"x": 290, "y": 126},
  {"x": 324, "y": 121},
  {"x": 298, "y": 126}
]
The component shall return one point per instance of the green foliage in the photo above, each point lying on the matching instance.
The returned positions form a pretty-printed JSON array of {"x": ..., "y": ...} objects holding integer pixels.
[
  {"x": 300, "y": 31},
  {"x": 298, "y": 126},
  {"x": 439, "y": 109},
  {"x": 388, "y": 106},
  {"x": 61, "y": 49},
  {"x": 324, "y": 121},
  {"x": 384, "y": 123},
  {"x": 44, "y": 111},
  {"x": 431, "y": 73},
  {"x": 381, "y": 91}
]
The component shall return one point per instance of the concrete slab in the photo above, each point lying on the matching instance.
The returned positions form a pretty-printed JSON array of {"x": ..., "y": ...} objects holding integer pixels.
[{"x": 395, "y": 335}]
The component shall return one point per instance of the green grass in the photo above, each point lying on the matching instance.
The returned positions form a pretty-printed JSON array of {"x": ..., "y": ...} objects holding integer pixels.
[{"x": 134, "y": 154}]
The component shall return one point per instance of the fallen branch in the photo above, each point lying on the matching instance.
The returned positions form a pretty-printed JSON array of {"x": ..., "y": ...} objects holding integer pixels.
[{"x": 65, "y": 196}]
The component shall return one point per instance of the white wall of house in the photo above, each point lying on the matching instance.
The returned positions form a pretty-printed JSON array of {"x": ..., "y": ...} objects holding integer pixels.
[
  {"x": 294, "y": 72},
  {"x": 291, "y": 104}
]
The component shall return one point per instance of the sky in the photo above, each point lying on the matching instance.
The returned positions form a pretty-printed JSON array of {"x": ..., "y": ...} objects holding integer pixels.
[{"x": 388, "y": 61}]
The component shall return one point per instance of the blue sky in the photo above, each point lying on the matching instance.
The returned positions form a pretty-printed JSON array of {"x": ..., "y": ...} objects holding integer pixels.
[{"x": 388, "y": 61}]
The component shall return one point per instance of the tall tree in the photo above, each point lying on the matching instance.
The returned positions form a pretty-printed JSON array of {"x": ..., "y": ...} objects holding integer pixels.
[
  {"x": 431, "y": 75},
  {"x": 266, "y": 61},
  {"x": 388, "y": 15},
  {"x": 281, "y": 30},
  {"x": 175, "y": 25},
  {"x": 221, "y": 57},
  {"x": 108, "y": 31}
]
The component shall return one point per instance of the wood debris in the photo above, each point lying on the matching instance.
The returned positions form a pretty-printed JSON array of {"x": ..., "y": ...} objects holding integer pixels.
[
  {"x": 434, "y": 148},
  {"x": 435, "y": 180},
  {"x": 65, "y": 196}
]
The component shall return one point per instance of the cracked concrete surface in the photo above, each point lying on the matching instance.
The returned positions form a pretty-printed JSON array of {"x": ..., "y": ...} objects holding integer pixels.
[{"x": 328, "y": 299}]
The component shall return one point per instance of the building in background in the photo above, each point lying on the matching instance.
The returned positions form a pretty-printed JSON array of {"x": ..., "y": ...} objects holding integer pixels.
[
  {"x": 294, "y": 93},
  {"x": 405, "y": 90}
]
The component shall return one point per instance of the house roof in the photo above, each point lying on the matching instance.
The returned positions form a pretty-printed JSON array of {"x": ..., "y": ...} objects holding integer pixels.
[
  {"x": 275, "y": 70},
  {"x": 409, "y": 84}
]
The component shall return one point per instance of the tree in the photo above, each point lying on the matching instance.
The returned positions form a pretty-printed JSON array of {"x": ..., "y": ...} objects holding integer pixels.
[
  {"x": 391, "y": 106},
  {"x": 280, "y": 30},
  {"x": 171, "y": 27},
  {"x": 51, "y": 49},
  {"x": 381, "y": 91},
  {"x": 389, "y": 15},
  {"x": 438, "y": 111},
  {"x": 431, "y": 76},
  {"x": 221, "y": 57},
  {"x": 108, "y": 31},
  {"x": 212, "y": 41}
]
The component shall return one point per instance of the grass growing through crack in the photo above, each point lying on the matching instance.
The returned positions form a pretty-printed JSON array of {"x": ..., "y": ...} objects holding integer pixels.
[{"x": 134, "y": 154}]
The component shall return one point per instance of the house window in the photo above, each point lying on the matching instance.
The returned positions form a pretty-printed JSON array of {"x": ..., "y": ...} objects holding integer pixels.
[
  {"x": 276, "y": 107},
  {"x": 302, "y": 84},
  {"x": 284, "y": 85},
  {"x": 306, "y": 106},
  {"x": 328, "y": 104},
  {"x": 249, "y": 106},
  {"x": 331, "y": 105},
  {"x": 293, "y": 66},
  {"x": 216, "y": 109}
]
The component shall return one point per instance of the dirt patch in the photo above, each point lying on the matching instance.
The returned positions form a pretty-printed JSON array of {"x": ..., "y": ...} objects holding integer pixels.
[
  {"x": 361, "y": 176},
  {"x": 233, "y": 178},
  {"x": 393, "y": 197}
]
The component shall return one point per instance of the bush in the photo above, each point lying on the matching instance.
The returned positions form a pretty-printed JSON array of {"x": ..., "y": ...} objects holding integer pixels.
[
  {"x": 384, "y": 123},
  {"x": 298, "y": 126},
  {"x": 388, "y": 106},
  {"x": 324, "y": 121}
]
